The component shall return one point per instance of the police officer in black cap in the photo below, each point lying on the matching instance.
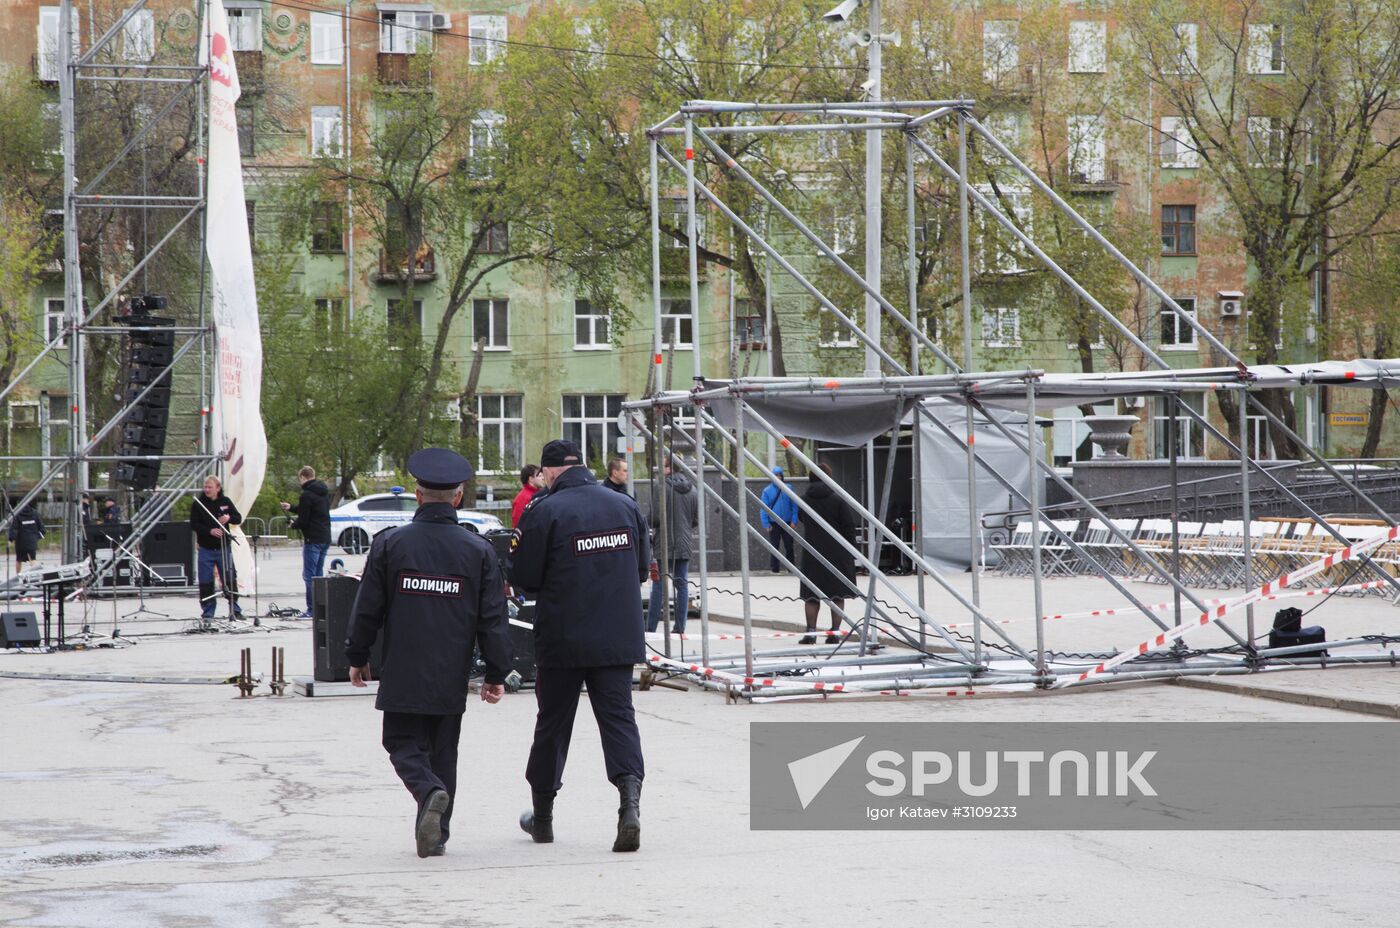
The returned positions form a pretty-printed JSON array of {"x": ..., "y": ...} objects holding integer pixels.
[
  {"x": 434, "y": 590},
  {"x": 582, "y": 551}
]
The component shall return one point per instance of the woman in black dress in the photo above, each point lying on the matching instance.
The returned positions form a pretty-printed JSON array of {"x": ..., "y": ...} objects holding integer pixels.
[{"x": 822, "y": 583}]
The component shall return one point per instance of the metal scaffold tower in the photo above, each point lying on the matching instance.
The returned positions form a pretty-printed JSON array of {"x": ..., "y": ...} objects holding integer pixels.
[
  {"x": 128, "y": 97},
  {"x": 856, "y": 411}
]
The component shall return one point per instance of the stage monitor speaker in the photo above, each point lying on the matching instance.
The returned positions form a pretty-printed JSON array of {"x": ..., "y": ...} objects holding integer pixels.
[
  {"x": 332, "y": 600},
  {"x": 19, "y": 630},
  {"x": 170, "y": 543}
]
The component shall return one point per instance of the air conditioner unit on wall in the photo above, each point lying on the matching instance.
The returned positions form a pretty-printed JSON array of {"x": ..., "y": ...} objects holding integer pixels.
[
  {"x": 442, "y": 22},
  {"x": 1231, "y": 302}
]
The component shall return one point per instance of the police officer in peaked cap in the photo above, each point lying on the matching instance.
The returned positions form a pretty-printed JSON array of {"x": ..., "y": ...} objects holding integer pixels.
[
  {"x": 434, "y": 590},
  {"x": 582, "y": 551}
]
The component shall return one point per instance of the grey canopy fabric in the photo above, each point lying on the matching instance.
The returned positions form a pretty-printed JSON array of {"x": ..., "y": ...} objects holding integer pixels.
[{"x": 831, "y": 417}]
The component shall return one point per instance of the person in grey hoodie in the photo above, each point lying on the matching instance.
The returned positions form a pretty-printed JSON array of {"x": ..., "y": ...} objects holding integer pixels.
[{"x": 682, "y": 515}]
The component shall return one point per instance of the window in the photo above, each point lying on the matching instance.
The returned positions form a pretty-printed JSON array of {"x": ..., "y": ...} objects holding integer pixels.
[
  {"x": 500, "y": 433},
  {"x": 404, "y": 324},
  {"x": 491, "y": 323},
  {"x": 53, "y": 322},
  {"x": 1001, "y": 327},
  {"x": 495, "y": 239},
  {"x": 1176, "y": 331},
  {"x": 246, "y": 144},
  {"x": 1265, "y": 48},
  {"x": 591, "y": 420},
  {"x": 330, "y": 315},
  {"x": 327, "y": 234},
  {"x": 245, "y": 28},
  {"x": 590, "y": 325},
  {"x": 673, "y": 217},
  {"x": 250, "y": 207},
  {"x": 1265, "y": 141},
  {"x": 999, "y": 51},
  {"x": 838, "y": 229},
  {"x": 388, "y": 504},
  {"x": 1088, "y": 47},
  {"x": 485, "y": 136},
  {"x": 1185, "y": 51},
  {"x": 832, "y": 332},
  {"x": 749, "y": 330},
  {"x": 1190, "y": 433},
  {"x": 1178, "y": 230},
  {"x": 325, "y": 132},
  {"x": 139, "y": 36},
  {"x": 1178, "y": 151},
  {"x": 402, "y": 32},
  {"x": 486, "y": 38},
  {"x": 1086, "y": 149},
  {"x": 327, "y": 39},
  {"x": 1005, "y": 127},
  {"x": 930, "y": 41},
  {"x": 1000, "y": 252},
  {"x": 1089, "y": 324},
  {"x": 675, "y": 323},
  {"x": 48, "y": 42}
]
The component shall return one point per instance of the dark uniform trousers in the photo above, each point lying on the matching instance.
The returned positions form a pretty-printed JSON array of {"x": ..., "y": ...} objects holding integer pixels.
[
  {"x": 556, "y": 693},
  {"x": 423, "y": 750}
]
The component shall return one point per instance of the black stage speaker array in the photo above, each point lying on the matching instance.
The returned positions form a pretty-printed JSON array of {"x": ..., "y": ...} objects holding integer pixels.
[
  {"x": 332, "y": 599},
  {"x": 150, "y": 348},
  {"x": 19, "y": 630}
]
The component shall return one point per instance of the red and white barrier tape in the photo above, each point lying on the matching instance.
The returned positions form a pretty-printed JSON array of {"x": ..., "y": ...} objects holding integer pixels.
[
  {"x": 1266, "y": 591},
  {"x": 711, "y": 673}
]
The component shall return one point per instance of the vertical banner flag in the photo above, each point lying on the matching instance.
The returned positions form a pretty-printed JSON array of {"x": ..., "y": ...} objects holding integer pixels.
[{"x": 238, "y": 396}]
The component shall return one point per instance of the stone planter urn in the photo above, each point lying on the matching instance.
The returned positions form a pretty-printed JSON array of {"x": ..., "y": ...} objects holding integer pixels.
[{"x": 1111, "y": 434}]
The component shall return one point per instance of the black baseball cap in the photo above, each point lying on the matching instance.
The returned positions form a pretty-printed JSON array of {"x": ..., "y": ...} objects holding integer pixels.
[
  {"x": 439, "y": 469},
  {"x": 561, "y": 453}
]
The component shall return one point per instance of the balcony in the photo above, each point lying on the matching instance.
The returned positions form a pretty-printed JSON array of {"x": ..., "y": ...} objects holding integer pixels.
[
  {"x": 1106, "y": 182},
  {"x": 424, "y": 267},
  {"x": 404, "y": 71},
  {"x": 250, "y": 70}
]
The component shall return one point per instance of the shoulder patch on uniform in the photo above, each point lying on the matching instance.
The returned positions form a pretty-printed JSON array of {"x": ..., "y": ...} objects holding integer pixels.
[
  {"x": 618, "y": 539},
  {"x": 431, "y": 585}
]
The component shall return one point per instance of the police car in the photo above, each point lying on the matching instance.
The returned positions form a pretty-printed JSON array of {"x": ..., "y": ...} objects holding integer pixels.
[{"x": 354, "y": 523}]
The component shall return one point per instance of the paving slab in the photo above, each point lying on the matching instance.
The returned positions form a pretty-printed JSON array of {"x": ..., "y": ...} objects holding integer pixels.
[{"x": 126, "y": 805}]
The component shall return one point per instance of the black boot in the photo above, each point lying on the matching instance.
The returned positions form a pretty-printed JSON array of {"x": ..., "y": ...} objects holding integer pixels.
[
  {"x": 539, "y": 824},
  {"x": 629, "y": 814}
]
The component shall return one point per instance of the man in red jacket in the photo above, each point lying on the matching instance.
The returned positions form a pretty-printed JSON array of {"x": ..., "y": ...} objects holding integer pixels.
[{"x": 531, "y": 481}]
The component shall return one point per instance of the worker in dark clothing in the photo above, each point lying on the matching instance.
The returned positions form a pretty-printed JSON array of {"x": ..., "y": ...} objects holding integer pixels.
[
  {"x": 617, "y": 475},
  {"x": 313, "y": 520},
  {"x": 582, "y": 551},
  {"x": 210, "y": 513},
  {"x": 26, "y": 528},
  {"x": 111, "y": 512},
  {"x": 682, "y": 516},
  {"x": 820, "y": 582},
  {"x": 434, "y": 590}
]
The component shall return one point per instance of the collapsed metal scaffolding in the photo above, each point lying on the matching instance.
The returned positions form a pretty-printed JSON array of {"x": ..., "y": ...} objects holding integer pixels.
[
  {"x": 184, "y": 81},
  {"x": 727, "y": 409}
]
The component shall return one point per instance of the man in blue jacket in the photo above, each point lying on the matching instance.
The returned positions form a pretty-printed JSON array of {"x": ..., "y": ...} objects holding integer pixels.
[
  {"x": 782, "y": 530},
  {"x": 581, "y": 551}
]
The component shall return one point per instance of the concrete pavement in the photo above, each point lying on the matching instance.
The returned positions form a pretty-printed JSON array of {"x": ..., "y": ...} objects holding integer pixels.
[{"x": 132, "y": 805}]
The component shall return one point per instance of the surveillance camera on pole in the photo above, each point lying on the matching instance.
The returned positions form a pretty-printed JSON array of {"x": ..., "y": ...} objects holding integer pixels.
[{"x": 842, "y": 11}]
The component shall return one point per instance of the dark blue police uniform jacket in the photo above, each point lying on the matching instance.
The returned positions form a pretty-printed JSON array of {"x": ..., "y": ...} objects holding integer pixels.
[
  {"x": 434, "y": 588},
  {"x": 582, "y": 552}
]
